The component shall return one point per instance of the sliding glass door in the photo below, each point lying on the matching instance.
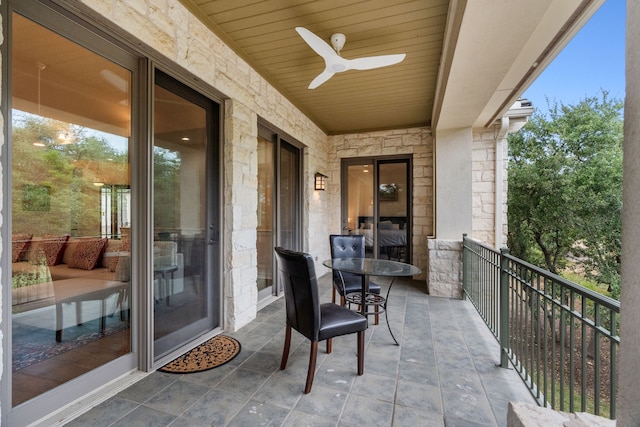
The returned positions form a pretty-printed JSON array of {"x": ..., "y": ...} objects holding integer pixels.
[
  {"x": 70, "y": 144},
  {"x": 376, "y": 204},
  {"x": 279, "y": 218},
  {"x": 185, "y": 215}
]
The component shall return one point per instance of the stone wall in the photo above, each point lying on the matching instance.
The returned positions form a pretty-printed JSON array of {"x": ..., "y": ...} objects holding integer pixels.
[
  {"x": 169, "y": 33},
  {"x": 484, "y": 185},
  {"x": 444, "y": 268},
  {"x": 416, "y": 141}
]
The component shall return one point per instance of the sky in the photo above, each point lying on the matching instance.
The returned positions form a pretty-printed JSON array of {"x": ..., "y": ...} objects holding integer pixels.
[{"x": 592, "y": 61}]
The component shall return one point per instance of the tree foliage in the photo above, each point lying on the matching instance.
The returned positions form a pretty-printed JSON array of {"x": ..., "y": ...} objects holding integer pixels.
[
  {"x": 63, "y": 170},
  {"x": 565, "y": 188}
]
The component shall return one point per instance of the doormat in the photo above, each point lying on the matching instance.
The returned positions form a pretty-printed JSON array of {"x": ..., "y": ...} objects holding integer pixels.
[{"x": 211, "y": 354}]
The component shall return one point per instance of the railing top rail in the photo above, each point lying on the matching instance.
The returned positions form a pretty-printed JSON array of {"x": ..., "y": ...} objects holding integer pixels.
[
  {"x": 466, "y": 239},
  {"x": 603, "y": 300}
]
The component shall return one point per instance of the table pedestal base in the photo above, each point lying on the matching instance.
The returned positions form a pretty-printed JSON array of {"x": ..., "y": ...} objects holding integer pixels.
[{"x": 372, "y": 300}]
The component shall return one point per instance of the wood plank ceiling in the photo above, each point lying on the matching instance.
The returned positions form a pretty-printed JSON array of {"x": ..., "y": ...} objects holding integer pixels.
[{"x": 263, "y": 33}]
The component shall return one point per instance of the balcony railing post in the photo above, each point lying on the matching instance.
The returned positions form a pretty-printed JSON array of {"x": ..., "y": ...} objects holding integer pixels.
[
  {"x": 504, "y": 308},
  {"x": 465, "y": 267}
]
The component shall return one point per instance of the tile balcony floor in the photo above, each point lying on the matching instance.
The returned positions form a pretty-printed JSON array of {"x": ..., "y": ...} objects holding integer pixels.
[{"x": 443, "y": 373}]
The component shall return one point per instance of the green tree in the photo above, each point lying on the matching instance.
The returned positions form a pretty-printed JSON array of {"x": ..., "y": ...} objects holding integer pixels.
[{"x": 565, "y": 188}]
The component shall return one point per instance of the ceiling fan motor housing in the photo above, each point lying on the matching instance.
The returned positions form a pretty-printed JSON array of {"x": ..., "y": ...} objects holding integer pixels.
[{"x": 337, "y": 41}]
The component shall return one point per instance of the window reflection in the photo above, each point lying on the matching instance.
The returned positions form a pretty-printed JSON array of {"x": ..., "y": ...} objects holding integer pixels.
[{"x": 70, "y": 210}]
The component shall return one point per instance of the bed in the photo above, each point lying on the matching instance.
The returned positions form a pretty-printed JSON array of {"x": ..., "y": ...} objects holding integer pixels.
[{"x": 392, "y": 234}]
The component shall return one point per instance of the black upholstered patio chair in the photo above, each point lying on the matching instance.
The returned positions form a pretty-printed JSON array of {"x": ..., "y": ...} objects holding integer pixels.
[
  {"x": 305, "y": 314},
  {"x": 349, "y": 246}
]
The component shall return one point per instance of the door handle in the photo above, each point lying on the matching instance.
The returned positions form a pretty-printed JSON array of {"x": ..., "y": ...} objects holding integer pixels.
[{"x": 214, "y": 235}]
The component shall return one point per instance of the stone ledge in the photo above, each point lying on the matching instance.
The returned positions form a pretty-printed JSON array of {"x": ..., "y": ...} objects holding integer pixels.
[{"x": 527, "y": 415}]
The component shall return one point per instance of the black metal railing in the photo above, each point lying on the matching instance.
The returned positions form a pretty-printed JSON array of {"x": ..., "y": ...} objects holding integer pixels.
[{"x": 561, "y": 337}]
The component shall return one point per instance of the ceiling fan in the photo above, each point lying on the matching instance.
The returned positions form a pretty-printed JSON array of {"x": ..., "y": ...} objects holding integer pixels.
[{"x": 334, "y": 63}]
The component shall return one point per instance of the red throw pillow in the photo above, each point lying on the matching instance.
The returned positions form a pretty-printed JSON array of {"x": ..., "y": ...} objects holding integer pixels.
[
  {"x": 53, "y": 248},
  {"x": 87, "y": 253},
  {"x": 19, "y": 246}
]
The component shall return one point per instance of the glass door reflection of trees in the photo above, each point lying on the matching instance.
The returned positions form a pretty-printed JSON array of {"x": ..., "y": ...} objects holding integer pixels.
[
  {"x": 69, "y": 139},
  {"x": 185, "y": 215}
]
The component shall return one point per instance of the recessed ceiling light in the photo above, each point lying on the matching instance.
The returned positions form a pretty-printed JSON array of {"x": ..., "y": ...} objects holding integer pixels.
[{"x": 185, "y": 138}]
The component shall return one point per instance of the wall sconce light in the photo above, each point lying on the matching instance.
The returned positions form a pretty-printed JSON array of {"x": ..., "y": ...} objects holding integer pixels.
[{"x": 321, "y": 181}]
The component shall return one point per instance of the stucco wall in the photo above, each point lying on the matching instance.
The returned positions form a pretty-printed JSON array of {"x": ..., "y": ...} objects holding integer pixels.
[{"x": 628, "y": 410}]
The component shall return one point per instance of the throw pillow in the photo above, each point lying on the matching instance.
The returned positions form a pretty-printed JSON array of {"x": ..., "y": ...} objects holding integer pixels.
[
  {"x": 19, "y": 245},
  {"x": 86, "y": 254},
  {"x": 51, "y": 248},
  {"x": 385, "y": 225},
  {"x": 125, "y": 246}
]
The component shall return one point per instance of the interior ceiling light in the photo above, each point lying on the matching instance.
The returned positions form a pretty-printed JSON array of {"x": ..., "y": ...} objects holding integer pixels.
[{"x": 334, "y": 63}]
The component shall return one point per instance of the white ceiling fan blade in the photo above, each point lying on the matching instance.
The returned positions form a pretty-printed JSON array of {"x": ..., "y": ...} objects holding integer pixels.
[
  {"x": 370, "y": 62},
  {"x": 321, "y": 78},
  {"x": 321, "y": 47}
]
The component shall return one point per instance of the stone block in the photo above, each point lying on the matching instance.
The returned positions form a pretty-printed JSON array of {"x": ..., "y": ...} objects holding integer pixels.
[{"x": 527, "y": 415}]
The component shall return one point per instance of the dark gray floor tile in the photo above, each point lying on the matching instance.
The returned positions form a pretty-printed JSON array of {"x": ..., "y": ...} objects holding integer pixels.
[
  {"x": 419, "y": 372},
  {"x": 188, "y": 422},
  {"x": 421, "y": 396},
  {"x": 244, "y": 354},
  {"x": 461, "y": 405},
  {"x": 335, "y": 374},
  {"x": 457, "y": 422},
  {"x": 322, "y": 401},
  {"x": 367, "y": 411},
  {"x": 259, "y": 414},
  {"x": 216, "y": 408},
  {"x": 300, "y": 419},
  {"x": 148, "y": 387},
  {"x": 105, "y": 414},
  {"x": 370, "y": 384},
  {"x": 177, "y": 398},
  {"x": 379, "y": 364},
  {"x": 243, "y": 381},
  {"x": 463, "y": 379},
  {"x": 260, "y": 361},
  {"x": 414, "y": 417},
  {"x": 418, "y": 353},
  {"x": 282, "y": 388},
  {"x": 145, "y": 417}
]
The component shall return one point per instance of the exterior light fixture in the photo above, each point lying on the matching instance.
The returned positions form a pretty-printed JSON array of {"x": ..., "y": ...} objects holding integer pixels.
[{"x": 320, "y": 182}]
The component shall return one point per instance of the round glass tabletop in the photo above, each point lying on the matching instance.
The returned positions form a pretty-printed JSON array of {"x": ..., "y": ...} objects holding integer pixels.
[{"x": 372, "y": 267}]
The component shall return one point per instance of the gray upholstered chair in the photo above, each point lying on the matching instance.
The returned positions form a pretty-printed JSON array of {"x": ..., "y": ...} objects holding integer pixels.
[{"x": 305, "y": 314}]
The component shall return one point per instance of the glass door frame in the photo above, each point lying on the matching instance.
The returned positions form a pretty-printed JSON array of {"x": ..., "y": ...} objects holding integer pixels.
[
  {"x": 69, "y": 391},
  {"x": 375, "y": 162},
  {"x": 280, "y": 140},
  {"x": 213, "y": 209}
]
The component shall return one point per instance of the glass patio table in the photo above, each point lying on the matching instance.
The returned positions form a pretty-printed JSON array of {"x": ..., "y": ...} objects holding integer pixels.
[{"x": 365, "y": 268}]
